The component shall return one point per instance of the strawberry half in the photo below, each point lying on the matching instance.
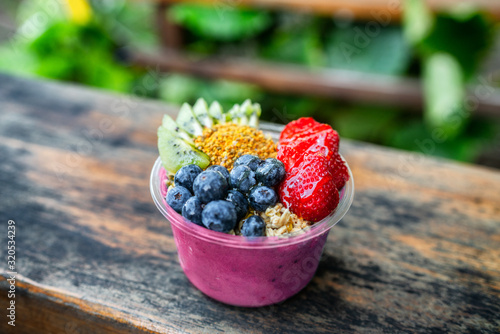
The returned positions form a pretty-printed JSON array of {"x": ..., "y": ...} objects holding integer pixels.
[
  {"x": 297, "y": 126},
  {"x": 339, "y": 171},
  {"x": 324, "y": 142},
  {"x": 309, "y": 190}
]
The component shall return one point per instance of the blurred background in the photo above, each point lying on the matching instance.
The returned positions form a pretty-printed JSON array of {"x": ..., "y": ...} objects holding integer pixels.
[{"x": 416, "y": 75}]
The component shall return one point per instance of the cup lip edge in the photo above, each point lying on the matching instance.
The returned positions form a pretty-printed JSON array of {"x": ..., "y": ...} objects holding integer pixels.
[{"x": 318, "y": 228}]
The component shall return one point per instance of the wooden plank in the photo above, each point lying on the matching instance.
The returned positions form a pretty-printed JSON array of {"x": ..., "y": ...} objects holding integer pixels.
[
  {"x": 417, "y": 252},
  {"x": 170, "y": 34},
  {"x": 360, "y": 9},
  {"x": 322, "y": 82}
]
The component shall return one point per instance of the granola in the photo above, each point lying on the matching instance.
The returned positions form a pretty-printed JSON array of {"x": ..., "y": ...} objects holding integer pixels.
[{"x": 279, "y": 220}]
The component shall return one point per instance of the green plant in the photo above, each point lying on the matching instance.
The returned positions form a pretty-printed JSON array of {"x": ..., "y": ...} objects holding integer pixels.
[
  {"x": 427, "y": 46},
  {"x": 220, "y": 23},
  {"x": 451, "y": 46}
]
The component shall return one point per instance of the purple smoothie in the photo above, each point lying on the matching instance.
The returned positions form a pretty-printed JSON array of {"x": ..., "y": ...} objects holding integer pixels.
[{"x": 241, "y": 271}]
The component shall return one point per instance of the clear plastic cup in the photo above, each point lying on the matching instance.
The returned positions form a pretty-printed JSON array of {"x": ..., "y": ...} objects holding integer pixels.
[{"x": 249, "y": 272}]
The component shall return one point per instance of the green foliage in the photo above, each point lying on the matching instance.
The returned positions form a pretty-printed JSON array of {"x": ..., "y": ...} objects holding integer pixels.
[
  {"x": 418, "y": 21},
  {"x": 298, "y": 43},
  {"x": 358, "y": 48},
  {"x": 367, "y": 123},
  {"x": 466, "y": 146},
  {"x": 450, "y": 46},
  {"x": 221, "y": 23},
  {"x": 465, "y": 37},
  {"x": 179, "y": 89},
  {"x": 72, "y": 52},
  {"x": 15, "y": 60},
  {"x": 127, "y": 22},
  {"x": 447, "y": 51},
  {"x": 444, "y": 93}
]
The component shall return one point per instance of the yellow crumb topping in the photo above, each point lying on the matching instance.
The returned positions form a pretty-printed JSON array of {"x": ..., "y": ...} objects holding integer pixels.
[{"x": 224, "y": 143}]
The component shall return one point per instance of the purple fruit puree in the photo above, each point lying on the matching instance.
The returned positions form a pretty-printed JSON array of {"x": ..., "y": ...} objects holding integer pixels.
[{"x": 244, "y": 276}]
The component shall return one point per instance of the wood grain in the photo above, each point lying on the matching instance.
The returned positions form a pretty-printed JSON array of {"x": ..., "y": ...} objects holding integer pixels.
[
  {"x": 293, "y": 79},
  {"x": 418, "y": 251}
]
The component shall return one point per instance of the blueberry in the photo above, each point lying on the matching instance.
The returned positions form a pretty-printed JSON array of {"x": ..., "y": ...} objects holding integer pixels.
[
  {"x": 177, "y": 196},
  {"x": 192, "y": 210},
  {"x": 242, "y": 178},
  {"x": 261, "y": 198},
  {"x": 186, "y": 175},
  {"x": 271, "y": 172},
  {"x": 254, "y": 226},
  {"x": 210, "y": 186},
  {"x": 220, "y": 169},
  {"x": 239, "y": 201},
  {"x": 248, "y": 160},
  {"x": 219, "y": 216}
]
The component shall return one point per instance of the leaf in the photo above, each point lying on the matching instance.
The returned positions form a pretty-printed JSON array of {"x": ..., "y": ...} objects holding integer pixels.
[
  {"x": 414, "y": 135},
  {"x": 444, "y": 92},
  {"x": 465, "y": 37},
  {"x": 16, "y": 59},
  {"x": 222, "y": 23},
  {"x": 179, "y": 88},
  {"x": 365, "y": 123},
  {"x": 299, "y": 43},
  {"x": 229, "y": 93},
  {"x": 417, "y": 20},
  {"x": 357, "y": 48}
]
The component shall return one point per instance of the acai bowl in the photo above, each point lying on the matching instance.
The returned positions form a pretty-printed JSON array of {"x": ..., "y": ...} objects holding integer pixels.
[{"x": 249, "y": 270}]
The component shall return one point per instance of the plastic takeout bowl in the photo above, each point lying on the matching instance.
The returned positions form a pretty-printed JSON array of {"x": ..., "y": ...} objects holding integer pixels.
[{"x": 242, "y": 271}]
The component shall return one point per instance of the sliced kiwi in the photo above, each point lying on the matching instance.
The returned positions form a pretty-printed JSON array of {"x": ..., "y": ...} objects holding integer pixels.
[
  {"x": 237, "y": 115},
  {"x": 254, "y": 117},
  {"x": 176, "y": 153},
  {"x": 200, "y": 110},
  {"x": 245, "y": 114},
  {"x": 217, "y": 113},
  {"x": 170, "y": 124},
  {"x": 246, "y": 110},
  {"x": 188, "y": 122}
]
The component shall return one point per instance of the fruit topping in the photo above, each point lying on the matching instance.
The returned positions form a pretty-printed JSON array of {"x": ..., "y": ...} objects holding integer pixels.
[
  {"x": 239, "y": 201},
  {"x": 253, "y": 226},
  {"x": 231, "y": 178},
  {"x": 192, "y": 210},
  {"x": 270, "y": 172},
  {"x": 175, "y": 152},
  {"x": 177, "y": 197},
  {"x": 339, "y": 171},
  {"x": 324, "y": 142},
  {"x": 309, "y": 189},
  {"x": 248, "y": 160},
  {"x": 242, "y": 178},
  {"x": 262, "y": 197},
  {"x": 315, "y": 169},
  {"x": 215, "y": 111},
  {"x": 220, "y": 169},
  {"x": 200, "y": 110},
  {"x": 210, "y": 186},
  {"x": 186, "y": 175},
  {"x": 297, "y": 126},
  {"x": 219, "y": 216},
  {"x": 170, "y": 124},
  {"x": 186, "y": 119}
]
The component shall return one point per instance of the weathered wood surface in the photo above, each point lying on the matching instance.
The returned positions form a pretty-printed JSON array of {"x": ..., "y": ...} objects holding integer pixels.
[{"x": 418, "y": 251}]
